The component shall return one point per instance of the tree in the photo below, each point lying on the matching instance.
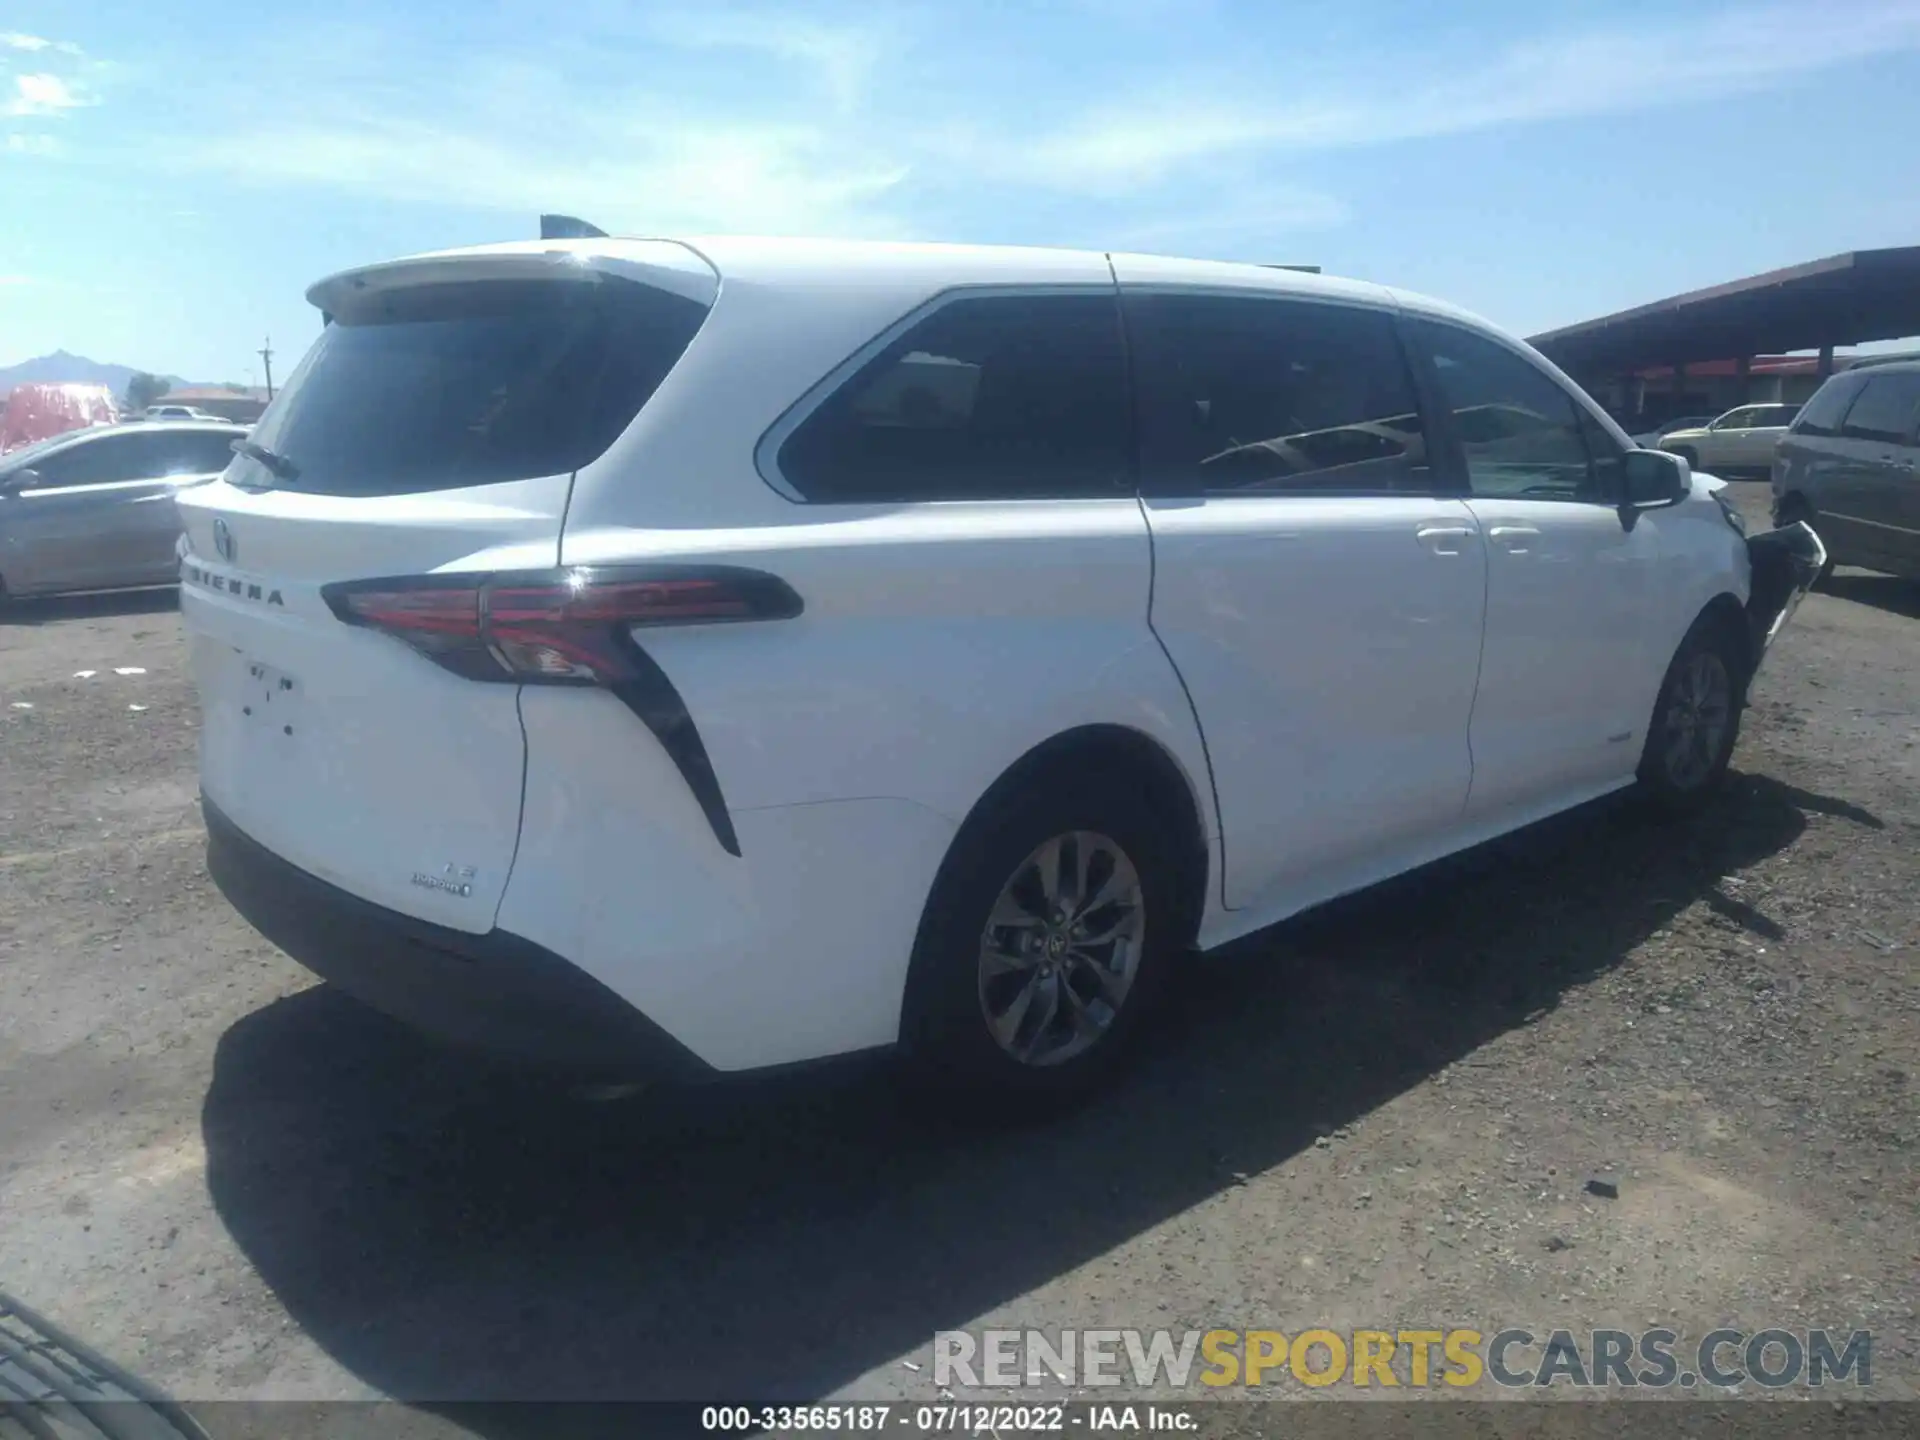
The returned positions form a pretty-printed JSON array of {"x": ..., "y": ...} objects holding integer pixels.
[{"x": 143, "y": 389}]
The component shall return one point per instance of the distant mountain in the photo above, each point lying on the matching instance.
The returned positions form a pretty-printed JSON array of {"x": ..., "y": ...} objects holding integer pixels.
[{"x": 60, "y": 368}]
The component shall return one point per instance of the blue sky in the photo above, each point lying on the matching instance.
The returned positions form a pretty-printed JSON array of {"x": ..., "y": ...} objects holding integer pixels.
[{"x": 168, "y": 189}]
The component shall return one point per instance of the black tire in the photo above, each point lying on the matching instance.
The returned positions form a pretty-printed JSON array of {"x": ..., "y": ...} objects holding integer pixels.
[
  {"x": 945, "y": 1035},
  {"x": 1795, "y": 508},
  {"x": 1676, "y": 778}
]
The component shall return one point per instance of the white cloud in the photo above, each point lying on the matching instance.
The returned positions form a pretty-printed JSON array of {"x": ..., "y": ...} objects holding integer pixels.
[
  {"x": 628, "y": 141},
  {"x": 1141, "y": 141},
  {"x": 1229, "y": 228},
  {"x": 10, "y": 280},
  {"x": 862, "y": 122},
  {"x": 41, "y": 94},
  {"x": 32, "y": 44},
  {"x": 841, "y": 58},
  {"x": 686, "y": 177}
]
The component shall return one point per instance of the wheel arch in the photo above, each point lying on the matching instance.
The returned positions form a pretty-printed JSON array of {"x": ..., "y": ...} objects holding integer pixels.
[
  {"x": 1724, "y": 611},
  {"x": 1120, "y": 753}
]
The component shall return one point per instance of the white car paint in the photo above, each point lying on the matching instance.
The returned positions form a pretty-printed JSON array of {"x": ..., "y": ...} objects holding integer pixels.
[{"x": 1366, "y": 684}]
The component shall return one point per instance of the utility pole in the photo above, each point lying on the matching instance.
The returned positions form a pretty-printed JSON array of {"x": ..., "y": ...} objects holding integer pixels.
[{"x": 266, "y": 360}]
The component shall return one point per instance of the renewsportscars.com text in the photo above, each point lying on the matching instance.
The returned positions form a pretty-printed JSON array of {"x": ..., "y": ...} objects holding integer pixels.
[{"x": 1455, "y": 1357}]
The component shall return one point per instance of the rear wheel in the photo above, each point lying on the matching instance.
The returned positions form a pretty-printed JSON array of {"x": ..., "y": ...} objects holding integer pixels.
[
  {"x": 1043, "y": 946},
  {"x": 1696, "y": 720}
]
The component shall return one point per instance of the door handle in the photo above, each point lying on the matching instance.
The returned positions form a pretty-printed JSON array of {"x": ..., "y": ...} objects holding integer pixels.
[
  {"x": 1514, "y": 539},
  {"x": 1445, "y": 539}
]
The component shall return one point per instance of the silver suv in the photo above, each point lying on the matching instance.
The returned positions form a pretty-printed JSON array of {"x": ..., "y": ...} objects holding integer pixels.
[{"x": 1850, "y": 468}]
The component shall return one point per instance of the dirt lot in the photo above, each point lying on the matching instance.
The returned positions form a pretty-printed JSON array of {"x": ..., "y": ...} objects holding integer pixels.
[{"x": 1381, "y": 1115}]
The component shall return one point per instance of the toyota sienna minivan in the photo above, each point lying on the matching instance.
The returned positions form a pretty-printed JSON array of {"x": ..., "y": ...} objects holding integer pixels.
[{"x": 671, "y": 657}]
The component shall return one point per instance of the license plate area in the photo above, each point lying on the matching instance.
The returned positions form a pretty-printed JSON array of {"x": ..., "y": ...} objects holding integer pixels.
[{"x": 270, "y": 700}]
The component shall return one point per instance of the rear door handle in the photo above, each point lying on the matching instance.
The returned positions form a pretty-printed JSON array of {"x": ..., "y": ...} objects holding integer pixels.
[
  {"x": 1514, "y": 539},
  {"x": 1445, "y": 539}
]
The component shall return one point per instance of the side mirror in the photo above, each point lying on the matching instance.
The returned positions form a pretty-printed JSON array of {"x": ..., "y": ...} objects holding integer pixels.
[
  {"x": 1654, "y": 479},
  {"x": 19, "y": 480}
]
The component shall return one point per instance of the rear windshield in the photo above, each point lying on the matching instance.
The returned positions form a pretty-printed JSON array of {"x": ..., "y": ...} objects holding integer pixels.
[{"x": 446, "y": 386}]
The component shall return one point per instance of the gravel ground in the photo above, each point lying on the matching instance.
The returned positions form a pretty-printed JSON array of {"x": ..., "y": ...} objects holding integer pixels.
[{"x": 1381, "y": 1115}]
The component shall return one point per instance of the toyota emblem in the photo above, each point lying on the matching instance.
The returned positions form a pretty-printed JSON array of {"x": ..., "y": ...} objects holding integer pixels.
[{"x": 223, "y": 541}]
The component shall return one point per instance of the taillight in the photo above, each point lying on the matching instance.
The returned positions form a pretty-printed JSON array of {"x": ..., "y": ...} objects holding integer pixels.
[
  {"x": 575, "y": 627},
  {"x": 560, "y": 627}
]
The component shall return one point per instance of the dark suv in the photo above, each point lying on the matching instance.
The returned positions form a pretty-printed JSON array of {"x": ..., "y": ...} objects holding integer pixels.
[{"x": 1850, "y": 467}]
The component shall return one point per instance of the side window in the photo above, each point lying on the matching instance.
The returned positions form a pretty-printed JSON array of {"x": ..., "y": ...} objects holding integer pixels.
[
  {"x": 1244, "y": 394},
  {"x": 1520, "y": 433},
  {"x": 1822, "y": 414},
  {"x": 1736, "y": 420},
  {"x": 196, "y": 452},
  {"x": 1005, "y": 397},
  {"x": 1885, "y": 410},
  {"x": 54, "y": 469},
  {"x": 111, "y": 458}
]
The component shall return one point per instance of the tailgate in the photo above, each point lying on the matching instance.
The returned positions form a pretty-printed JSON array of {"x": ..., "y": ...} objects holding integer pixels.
[
  {"x": 340, "y": 749},
  {"x": 432, "y": 432}
]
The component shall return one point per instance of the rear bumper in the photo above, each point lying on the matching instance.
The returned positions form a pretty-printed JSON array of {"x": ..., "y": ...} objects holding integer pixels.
[{"x": 496, "y": 992}]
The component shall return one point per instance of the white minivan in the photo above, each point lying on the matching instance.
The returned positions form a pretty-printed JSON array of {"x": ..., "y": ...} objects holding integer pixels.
[{"x": 680, "y": 657}]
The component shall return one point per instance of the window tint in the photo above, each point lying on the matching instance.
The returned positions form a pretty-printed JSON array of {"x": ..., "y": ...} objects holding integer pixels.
[
  {"x": 1885, "y": 410},
  {"x": 1741, "y": 419},
  {"x": 999, "y": 397},
  {"x": 1821, "y": 415},
  {"x": 1521, "y": 433},
  {"x": 1246, "y": 394},
  {"x": 1772, "y": 415},
  {"x": 197, "y": 452},
  {"x": 103, "y": 460},
  {"x": 471, "y": 384}
]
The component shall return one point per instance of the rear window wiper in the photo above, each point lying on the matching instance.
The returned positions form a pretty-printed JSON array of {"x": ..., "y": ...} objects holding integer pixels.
[{"x": 281, "y": 467}]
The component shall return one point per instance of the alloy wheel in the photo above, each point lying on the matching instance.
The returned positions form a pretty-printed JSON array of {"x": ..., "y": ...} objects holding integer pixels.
[
  {"x": 1061, "y": 947},
  {"x": 1698, "y": 714}
]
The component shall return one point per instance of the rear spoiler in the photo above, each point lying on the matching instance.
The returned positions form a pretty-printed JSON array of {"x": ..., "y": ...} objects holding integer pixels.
[
  {"x": 552, "y": 227},
  {"x": 569, "y": 227}
]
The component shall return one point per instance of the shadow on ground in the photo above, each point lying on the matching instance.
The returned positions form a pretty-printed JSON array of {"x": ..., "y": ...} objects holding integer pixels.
[
  {"x": 446, "y": 1232},
  {"x": 91, "y": 606},
  {"x": 1892, "y": 593}
]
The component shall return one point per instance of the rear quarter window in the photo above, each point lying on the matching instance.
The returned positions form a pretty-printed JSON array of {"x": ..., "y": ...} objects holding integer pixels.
[
  {"x": 1000, "y": 397},
  {"x": 1822, "y": 414},
  {"x": 1886, "y": 409},
  {"x": 446, "y": 386}
]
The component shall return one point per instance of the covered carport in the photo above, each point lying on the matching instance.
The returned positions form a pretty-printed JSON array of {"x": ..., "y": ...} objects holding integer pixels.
[{"x": 1847, "y": 299}]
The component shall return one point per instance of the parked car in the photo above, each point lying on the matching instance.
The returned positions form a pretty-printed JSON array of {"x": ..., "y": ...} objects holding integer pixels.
[
  {"x": 604, "y": 685},
  {"x": 1740, "y": 442},
  {"x": 94, "y": 509},
  {"x": 1850, "y": 468},
  {"x": 178, "y": 412},
  {"x": 1650, "y": 439}
]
